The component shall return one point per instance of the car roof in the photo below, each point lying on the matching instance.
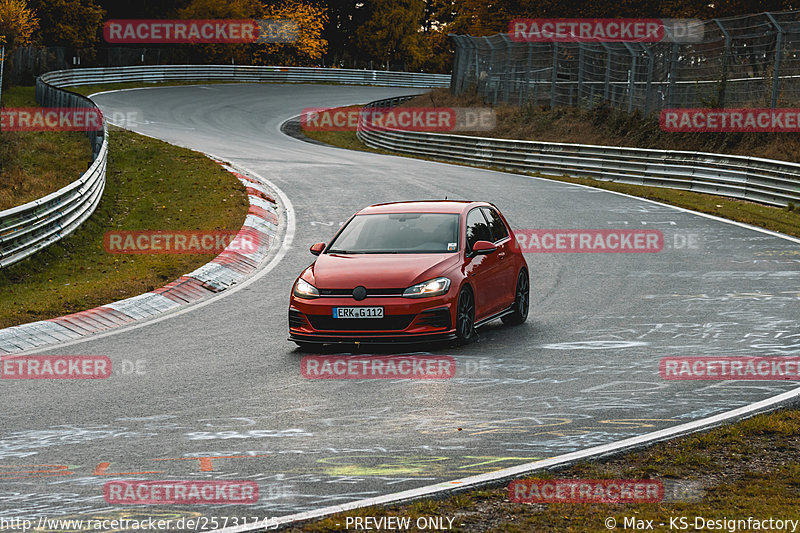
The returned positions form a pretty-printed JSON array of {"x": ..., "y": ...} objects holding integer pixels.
[{"x": 421, "y": 206}]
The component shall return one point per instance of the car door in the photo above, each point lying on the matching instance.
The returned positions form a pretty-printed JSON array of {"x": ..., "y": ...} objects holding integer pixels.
[
  {"x": 505, "y": 274},
  {"x": 481, "y": 269}
]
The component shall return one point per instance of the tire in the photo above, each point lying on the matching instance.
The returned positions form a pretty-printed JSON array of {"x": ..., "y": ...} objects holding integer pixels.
[
  {"x": 465, "y": 316},
  {"x": 522, "y": 299}
]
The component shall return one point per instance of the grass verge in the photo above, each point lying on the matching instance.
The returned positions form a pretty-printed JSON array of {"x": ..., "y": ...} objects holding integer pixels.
[
  {"x": 151, "y": 185},
  {"x": 34, "y": 164},
  {"x": 748, "y": 469}
]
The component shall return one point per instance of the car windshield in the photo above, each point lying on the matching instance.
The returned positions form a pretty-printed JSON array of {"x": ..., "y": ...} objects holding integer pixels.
[{"x": 398, "y": 233}]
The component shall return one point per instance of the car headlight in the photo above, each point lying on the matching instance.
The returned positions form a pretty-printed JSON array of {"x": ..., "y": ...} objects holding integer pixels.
[
  {"x": 303, "y": 289},
  {"x": 433, "y": 287}
]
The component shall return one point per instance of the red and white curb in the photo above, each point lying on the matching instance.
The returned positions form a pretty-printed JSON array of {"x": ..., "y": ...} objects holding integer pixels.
[{"x": 224, "y": 271}]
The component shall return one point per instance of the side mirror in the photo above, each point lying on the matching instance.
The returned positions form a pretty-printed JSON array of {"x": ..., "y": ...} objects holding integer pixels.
[
  {"x": 483, "y": 248},
  {"x": 316, "y": 249}
]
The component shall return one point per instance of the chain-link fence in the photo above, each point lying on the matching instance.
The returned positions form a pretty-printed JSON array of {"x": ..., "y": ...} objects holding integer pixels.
[{"x": 747, "y": 61}]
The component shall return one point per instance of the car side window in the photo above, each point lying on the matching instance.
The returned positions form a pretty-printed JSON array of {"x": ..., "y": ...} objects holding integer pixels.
[
  {"x": 496, "y": 225},
  {"x": 477, "y": 228}
]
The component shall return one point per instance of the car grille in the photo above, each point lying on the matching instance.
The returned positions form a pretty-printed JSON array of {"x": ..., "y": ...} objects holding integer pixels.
[
  {"x": 371, "y": 293},
  {"x": 387, "y": 323}
]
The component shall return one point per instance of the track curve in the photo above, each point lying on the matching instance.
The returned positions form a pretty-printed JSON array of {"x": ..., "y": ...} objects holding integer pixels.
[{"x": 222, "y": 380}]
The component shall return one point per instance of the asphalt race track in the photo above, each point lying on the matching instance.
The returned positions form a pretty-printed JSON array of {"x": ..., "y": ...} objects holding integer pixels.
[{"x": 222, "y": 381}]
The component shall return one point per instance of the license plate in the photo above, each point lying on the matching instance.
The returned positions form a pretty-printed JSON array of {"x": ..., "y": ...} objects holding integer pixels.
[{"x": 358, "y": 312}]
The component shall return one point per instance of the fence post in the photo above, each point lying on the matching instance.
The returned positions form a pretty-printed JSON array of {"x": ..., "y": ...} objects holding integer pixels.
[
  {"x": 580, "y": 71},
  {"x": 725, "y": 58},
  {"x": 649, "y": 85},
  {"x": 2, "y": 64},
  {"x": 458, "y": 79},
  {"x": 631, "y": 77},
  {"x": 488, "y": 74},
  {"x": 457, "y": 60},
  {"x": 554, "y": 76},
  {"x": 607, "y": 83},
  {"x": 673, "y": 73},
  {"x": 776, "y": 67},
  {"x": 507, "y": 77},
  {"x": 528, "y": 72}
]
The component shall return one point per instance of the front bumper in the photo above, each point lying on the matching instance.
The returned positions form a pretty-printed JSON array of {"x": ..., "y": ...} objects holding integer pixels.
[{"x": 405, "y": 321}]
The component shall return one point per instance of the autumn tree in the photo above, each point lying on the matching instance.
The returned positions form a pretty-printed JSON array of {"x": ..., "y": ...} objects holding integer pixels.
[
  {"x": 391, "y": 35},
  {"x": 74, "y": 23},
  {"x": 17, "y": 23},
  {"x": 307, "y": 18},
  {"x": 309, "y": 46},
  {"x": 221, "y": 9}
]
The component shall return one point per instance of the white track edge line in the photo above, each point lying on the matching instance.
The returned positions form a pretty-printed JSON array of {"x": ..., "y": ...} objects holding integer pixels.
[{"x": 473, "y": 482}]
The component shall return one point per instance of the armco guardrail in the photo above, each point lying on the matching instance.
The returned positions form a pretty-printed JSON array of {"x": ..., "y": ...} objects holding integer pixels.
[
  {"x": 766, "y": 181},
  {"x": 28, "y": 228},
  {"x": 244, "y": 73}
]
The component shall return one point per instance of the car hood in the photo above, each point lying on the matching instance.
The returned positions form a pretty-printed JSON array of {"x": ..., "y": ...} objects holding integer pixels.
[{"x": 377, "y": 271}]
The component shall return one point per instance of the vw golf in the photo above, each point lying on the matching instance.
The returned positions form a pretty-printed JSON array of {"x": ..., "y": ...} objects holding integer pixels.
[{"x": 411, "y": 272}]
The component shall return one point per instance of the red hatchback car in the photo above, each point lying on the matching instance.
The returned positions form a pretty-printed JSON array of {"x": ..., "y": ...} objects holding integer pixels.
[{"x": 411, "y": 272}]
